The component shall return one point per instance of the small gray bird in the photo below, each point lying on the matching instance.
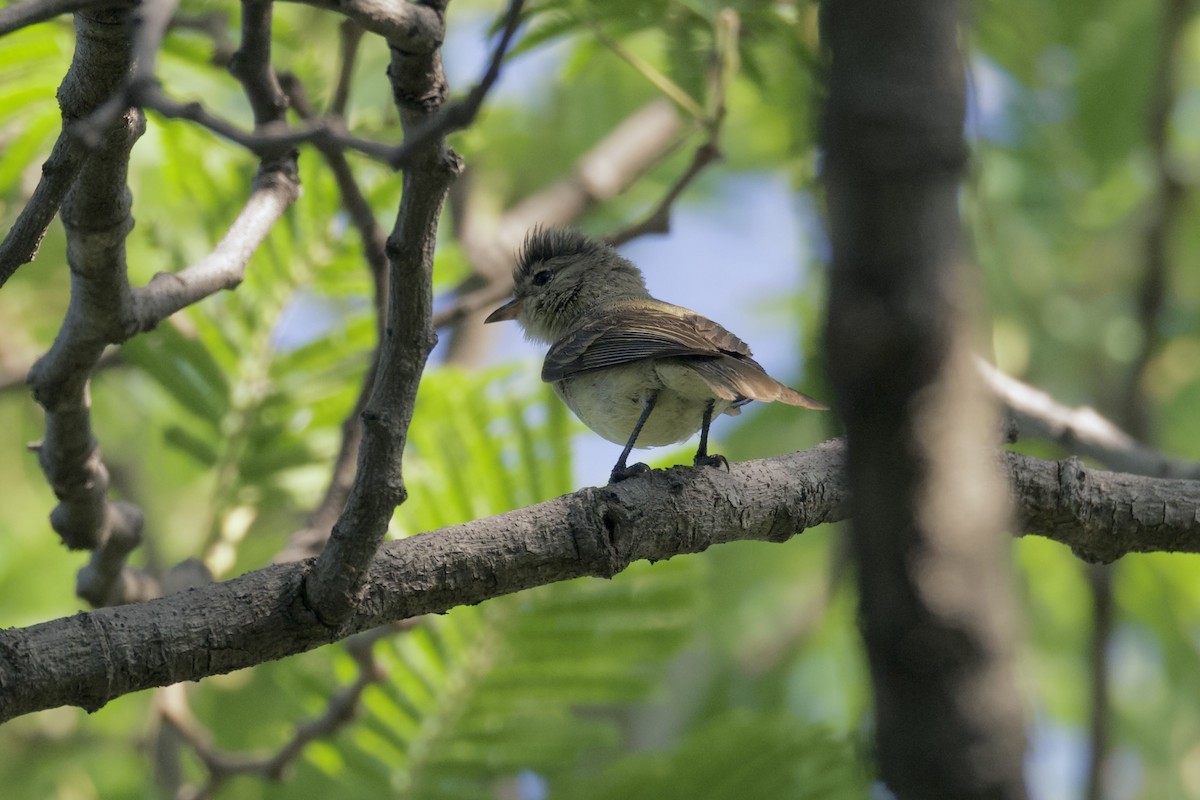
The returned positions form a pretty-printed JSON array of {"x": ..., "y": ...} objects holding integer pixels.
[{"x": 637, "y": 371}]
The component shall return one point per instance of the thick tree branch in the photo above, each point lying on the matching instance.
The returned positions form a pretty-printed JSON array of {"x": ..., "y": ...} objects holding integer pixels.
[
  {"x": 340, "y": 571},
  {"x": 96, "y": 217},
  {"x": 1102, "y": 515},
  {"x": 148, "y": 22},
  {"x": 104, "y": 308},
  {"x": 31, "y": 12},
  {"x": 90, "y": 658},
  {"x": 414, "y": 27}
]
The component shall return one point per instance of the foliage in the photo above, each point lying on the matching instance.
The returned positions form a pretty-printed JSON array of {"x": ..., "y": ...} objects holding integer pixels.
[{"x": 689, "y": 678}]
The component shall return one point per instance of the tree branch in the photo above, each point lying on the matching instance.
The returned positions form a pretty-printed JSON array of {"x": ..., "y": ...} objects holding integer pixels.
[
  {"x": 251, "y": 65},
  {"x": 173, "y": 708},
  {"x": 659, "y": 219},
  {"x": 215, "y": 26},
  {"x": 628, "y": 151},
  {"x": 340, "y": 571},
  {"x": 308, "y": 541},
  {"x": 96, "y": 217},
  {"x": 1081, "y": 431},
  {"x": 23, "y": 239},
  {"x": 721, "y": 74},
  {"x": 148, "y": 22},
  {"x": 225, "y": 267},
  {"x": 461, "y": 113},
  {"x": 91, "y": 658},
  {"x": 275, "y": 138},
  {"x": 415, "y": 27},
  {"x": 104, "y": 308},
  {"x": 31, "y": 12},
  {"x": 1103, "y": 515}
]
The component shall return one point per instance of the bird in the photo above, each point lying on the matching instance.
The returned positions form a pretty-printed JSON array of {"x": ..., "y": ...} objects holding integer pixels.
[{"x": 638, "y": 371}]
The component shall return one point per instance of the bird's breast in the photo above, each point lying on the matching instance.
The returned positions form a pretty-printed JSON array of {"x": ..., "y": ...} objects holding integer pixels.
[{"x": 610, "y": 401}]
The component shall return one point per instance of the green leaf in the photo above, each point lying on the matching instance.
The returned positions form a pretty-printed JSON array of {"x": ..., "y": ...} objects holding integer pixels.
[{"x": 741, "y": 755}]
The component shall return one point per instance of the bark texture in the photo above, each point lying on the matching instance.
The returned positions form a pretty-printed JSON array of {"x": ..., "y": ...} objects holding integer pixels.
[{"x": 91, "y": 658}]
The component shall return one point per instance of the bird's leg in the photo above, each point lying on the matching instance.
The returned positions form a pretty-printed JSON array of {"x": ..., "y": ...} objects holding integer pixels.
[
  {"x": 620, "y": 472},
  {"x": 703, "y": 459}
]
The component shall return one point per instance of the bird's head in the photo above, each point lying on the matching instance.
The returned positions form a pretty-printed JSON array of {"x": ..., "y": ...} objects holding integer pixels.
[{"x": 561, "y": 278}]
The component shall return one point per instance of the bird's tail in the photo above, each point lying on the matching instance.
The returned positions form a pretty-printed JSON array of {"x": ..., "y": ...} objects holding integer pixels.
[{"x": 741, "y": 379}]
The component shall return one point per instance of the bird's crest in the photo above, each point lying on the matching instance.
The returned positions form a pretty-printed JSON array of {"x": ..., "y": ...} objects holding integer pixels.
[{"x": 542, "y": 244}]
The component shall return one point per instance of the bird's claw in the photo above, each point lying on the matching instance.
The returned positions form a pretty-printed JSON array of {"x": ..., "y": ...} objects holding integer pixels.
[
  {"x": 621, "y": 473},
  {"x": 714, "y": 460}
]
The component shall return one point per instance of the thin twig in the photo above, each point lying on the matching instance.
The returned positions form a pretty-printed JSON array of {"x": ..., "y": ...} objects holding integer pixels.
[
  {"x": 1100, "y": 587},
  {"x": 251, "y": 65},
  {"x": 460, "y": 114},
  {"x": 308, "y": 541},
  {"x": 468, "y": 304},
  {"x": 636, "y": 144},
  {"x": 1081, "y": 431},
  {"x": 661, "y": 82},
  {"x": 659, "y": 220},
  {"x": 175, "y": 712},
  {"x": 721, "y": 73},
  {"x": 267, "y": 140},
  {"x": 215, "y": 26},
  {"x": 23, "y": 239},
  {"x": 271, "y": 139},
  {"x": 351, "y": 36}
]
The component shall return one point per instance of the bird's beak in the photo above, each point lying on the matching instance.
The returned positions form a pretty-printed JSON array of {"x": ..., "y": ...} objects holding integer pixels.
[{"x": 509, "y": 310}]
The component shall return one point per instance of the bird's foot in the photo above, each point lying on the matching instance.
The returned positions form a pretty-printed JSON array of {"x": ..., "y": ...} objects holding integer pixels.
[
  {"x": 621, "y": 472},
  {"x": 714, "y": 460}
]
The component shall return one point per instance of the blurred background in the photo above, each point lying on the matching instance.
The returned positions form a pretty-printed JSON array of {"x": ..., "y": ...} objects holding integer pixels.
[{"x": 737, "y": 672}]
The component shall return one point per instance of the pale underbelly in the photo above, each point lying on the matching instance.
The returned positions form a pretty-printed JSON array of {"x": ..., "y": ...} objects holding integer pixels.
[{"x": 610, "y": 402}]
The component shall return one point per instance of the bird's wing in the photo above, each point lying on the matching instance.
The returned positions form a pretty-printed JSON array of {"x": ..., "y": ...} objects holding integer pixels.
[{"x": 625, "y": 336}]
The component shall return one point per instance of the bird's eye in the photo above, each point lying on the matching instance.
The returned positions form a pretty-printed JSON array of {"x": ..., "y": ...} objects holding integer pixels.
[{"x": 542, "y": 278}]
